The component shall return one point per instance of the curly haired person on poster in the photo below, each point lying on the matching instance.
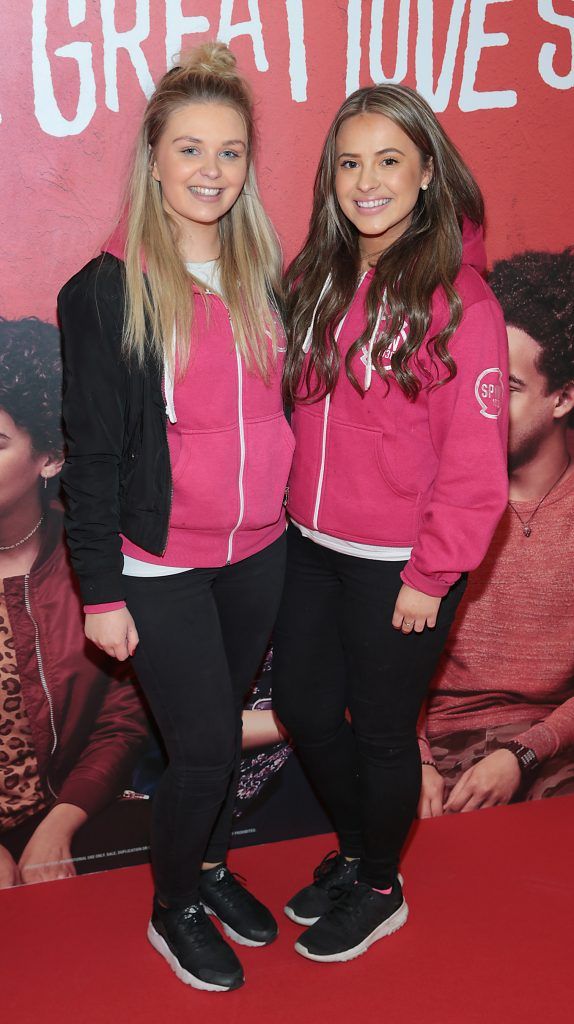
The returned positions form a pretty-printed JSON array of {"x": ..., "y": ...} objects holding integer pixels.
[
  {"x": 499, "y": 720},
  {"x": 71, "y": 724},
  {"x": 397, "y": 371},
  {"x": 178, "y": 459}
]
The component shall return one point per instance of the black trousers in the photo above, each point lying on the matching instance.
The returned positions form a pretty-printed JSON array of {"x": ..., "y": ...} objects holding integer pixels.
[
  {"x": 348, "y": 687},
  {"x": 202, "y": 635}
]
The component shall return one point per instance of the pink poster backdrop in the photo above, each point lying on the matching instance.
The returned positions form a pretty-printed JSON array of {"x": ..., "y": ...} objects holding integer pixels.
[{"x": 74, "y": 75}]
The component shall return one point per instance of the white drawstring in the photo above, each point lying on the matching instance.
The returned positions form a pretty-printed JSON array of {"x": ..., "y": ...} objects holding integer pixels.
[
  {"x": 372, "y": 340},
  {"x": 309, "y": 336},
  {"x": 369, "y": 361},
  {"x": 168, "y": 384}
]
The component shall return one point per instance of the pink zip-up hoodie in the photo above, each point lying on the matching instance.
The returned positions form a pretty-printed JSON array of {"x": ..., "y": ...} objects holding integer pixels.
[
  {"x": 230, "y": 448},
  {"x": 431, "y": 474}
]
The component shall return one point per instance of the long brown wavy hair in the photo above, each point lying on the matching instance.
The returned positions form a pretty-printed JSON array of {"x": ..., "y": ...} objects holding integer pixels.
[{"x": 427, "y": 256}]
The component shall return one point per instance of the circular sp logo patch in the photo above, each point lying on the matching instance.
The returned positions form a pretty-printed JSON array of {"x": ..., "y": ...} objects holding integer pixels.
[{"x": 489, "y": 389}]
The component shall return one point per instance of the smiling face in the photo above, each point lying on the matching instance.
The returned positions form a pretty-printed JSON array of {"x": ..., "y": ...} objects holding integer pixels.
[
  {"x": 379, "y": 174},
  {"x": 201, "y": 162}
]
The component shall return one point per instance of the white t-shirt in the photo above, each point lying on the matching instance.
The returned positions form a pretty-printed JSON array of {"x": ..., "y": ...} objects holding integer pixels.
[{"x": 353, "y": 547}]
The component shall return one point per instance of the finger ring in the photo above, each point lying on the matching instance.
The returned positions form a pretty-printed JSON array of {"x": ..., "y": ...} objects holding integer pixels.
[{"x": 405, "y": 623}]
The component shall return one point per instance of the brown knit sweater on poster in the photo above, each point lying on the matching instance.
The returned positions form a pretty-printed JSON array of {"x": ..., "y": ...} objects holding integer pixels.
[{"x": 510, "y": 654}]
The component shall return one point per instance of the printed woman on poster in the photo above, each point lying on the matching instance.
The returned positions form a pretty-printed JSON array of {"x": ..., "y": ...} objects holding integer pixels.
[{"x": 71, "y": 720}]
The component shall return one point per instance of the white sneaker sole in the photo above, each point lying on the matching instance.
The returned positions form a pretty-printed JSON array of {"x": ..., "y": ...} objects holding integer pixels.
[
  {"x": 161, "y": 947},
  {"x": 306, "y": 922},
  {"x": 392, "y": 924},
  {"x": 241, "y": 940}
]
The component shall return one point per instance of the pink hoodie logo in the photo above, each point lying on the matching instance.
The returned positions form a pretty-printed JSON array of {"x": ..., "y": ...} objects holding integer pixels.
[
  {"x": 389, "y": 351},
  {"x": 489, "y": 389}
]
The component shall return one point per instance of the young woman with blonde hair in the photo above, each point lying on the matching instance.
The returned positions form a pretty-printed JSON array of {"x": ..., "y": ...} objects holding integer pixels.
[
  {"x": 396, "y": 368},
  {"x": 178, "y": 457}
]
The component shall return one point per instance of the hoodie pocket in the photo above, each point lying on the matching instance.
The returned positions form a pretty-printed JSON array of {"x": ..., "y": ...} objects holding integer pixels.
[
  {"x": 269, "y": 447},
  {"x": 401, "y": 490},
  {"x": 362, "y": 500},
  {"x": 205, "y": 473}
]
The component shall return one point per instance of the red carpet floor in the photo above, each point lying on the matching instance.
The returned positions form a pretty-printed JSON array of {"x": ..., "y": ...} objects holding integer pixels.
[{"x": 489, "y": 939}]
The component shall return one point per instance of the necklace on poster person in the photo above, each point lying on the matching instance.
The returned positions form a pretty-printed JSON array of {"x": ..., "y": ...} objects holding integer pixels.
[
  {"x": 10, "y": 547},
  {"x": 526, "y": 527}
]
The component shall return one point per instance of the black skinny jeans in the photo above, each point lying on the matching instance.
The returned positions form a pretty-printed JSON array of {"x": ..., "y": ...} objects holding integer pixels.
[
  {"x": 202, "y": 635},
  {"x": 334, "y": 651}
]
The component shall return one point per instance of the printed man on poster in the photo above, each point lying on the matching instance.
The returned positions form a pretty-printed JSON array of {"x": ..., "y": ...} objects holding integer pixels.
[{"x": 500, "y": 717}]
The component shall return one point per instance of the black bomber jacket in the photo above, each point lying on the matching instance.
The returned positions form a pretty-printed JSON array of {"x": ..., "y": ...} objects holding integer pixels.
[{"x": 117, "y": 475}]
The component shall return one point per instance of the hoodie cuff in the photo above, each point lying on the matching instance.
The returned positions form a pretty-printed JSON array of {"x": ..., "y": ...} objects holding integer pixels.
[
  {"x": 97, "y": 609},
  {"x": 429, "y": 585}
]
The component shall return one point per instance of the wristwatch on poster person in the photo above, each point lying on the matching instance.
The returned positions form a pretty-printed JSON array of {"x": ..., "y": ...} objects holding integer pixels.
[{"x": 525, "y": 756}]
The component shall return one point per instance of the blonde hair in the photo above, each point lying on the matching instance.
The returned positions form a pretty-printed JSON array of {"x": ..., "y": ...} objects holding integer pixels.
[{"x": 250, "y": 258}]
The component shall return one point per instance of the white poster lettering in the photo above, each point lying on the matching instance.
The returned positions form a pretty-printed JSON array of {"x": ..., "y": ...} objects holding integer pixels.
[
  {"x": 130, "y": 41},
  {"x": 46, "y": 108},
  {"x": 253, "y": 28},
  {"x": 478, "y": 40},
  {"x": 548, "y": 51}
]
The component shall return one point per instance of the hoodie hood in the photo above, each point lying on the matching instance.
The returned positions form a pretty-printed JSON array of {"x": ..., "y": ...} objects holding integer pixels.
[
  {"x": 116, "y": 243},
  {"x": 473, "y": 251}
]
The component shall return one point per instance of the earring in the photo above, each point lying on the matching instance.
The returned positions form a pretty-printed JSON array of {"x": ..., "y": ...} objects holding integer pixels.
[
  {"x": 424, "y": 187},
  {"x": 45, "y": 479}
]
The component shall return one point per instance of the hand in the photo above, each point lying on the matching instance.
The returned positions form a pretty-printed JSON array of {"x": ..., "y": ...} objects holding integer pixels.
[
  {"x": 47, "y": 855},
  {"x": 9, "y": 874},
  {"x": 415, "y": 610},
  {"x": 494, "y": 780},
  {"x": 432, "y": 793},
  {"x": 113, "y": 632}
]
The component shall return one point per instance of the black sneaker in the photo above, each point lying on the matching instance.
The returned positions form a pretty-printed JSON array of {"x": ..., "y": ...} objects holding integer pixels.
[
  {"x": 194, "y": 948},
  {"x": 359, "y": 918},
  {"x": 331, "y": 879},
  {"x": 244, "y": 918}
]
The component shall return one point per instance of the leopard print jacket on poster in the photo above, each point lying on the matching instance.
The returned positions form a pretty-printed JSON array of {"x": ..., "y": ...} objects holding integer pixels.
[{"x": 21, "y": 792}]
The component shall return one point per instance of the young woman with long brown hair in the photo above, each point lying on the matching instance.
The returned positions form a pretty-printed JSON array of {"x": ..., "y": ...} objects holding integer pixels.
[
  {"x": 178, "y": 457},
  {"x": 396, "y": 371}
]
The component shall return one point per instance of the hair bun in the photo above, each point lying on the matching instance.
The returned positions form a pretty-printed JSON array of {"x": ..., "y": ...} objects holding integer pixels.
[{"x": 210, "y": 59}]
